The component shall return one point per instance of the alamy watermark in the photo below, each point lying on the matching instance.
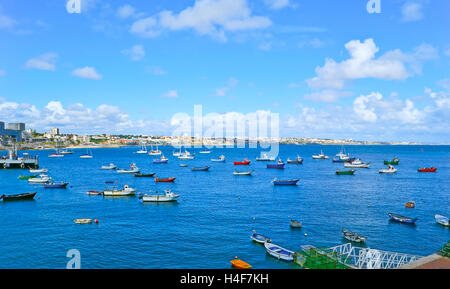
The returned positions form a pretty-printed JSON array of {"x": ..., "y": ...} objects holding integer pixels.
[
  {"x": 374, "y": 6},
  {"x": 75, "y": 259},
  {"x": 73, "y": 6}
]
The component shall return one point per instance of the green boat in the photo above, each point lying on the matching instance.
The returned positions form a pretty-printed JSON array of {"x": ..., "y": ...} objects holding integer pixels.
[
  {"x": 395, "y": 161},
  {"x": 27, "y": 177},
  {"x": 350, "y": 172},
  {"x": 139, "y": 175}
]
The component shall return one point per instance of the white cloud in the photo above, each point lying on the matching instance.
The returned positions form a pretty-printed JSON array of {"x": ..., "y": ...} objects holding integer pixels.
[
  {"x": 44, "y": 62},
  {"x": 170, "y": 94},
  {"x": 314, "y": 43},
  {"x": 87, "y": 72},
  {"x": 126, "y": 11},
  {"x": 327, "y": 95},
  {"x": 412, "y": 11},
  {"x": 6, "y": 21},
  {"x": 136, "y": 53},
  {"x": 206, "y": 17},
  {"x": 279, "y": 4},
  {"x": 223, "y": 91}
]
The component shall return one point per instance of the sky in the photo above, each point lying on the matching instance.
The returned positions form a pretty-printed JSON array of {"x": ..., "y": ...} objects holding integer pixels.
[{"x": 329, "y": 69}]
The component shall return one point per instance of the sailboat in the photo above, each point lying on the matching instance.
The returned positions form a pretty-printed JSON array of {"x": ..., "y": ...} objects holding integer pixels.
[
  {"x": 143, "y": 149},
  {"x": 156, "y": 152},
  {"x": 56, "y": 154},
  {"x": 87, "y": 155},
  {"x": 177, "y": 154}
]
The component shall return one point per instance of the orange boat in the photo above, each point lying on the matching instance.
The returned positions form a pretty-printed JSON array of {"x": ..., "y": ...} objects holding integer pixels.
[
  {"x": 244, "y": 163},
  {"x": 167, "y": 180},
  {"x": 240, "y": 264},
  {"x": 410, "y": 204}
]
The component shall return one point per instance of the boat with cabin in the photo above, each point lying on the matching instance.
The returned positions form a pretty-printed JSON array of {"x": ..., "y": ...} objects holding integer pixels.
[
  {"x": 279, "y": 165},
  {"x": 161, "y": 160},
  {"x": 221, "y": 159},
  {"x": 245, "y": 162},
  {"x": 168, "y": 196},
  {"x": 156, "y": 152},
  {"x": 134, "y": 169},
  {"x": 320, "y": 156},
  {"x": 389, "y": 170},
  {"x": 357, "y": 163},
  {"x": 395, "y": 161},
  {"x": 125, "y": 191},
  {"x": 265, "y": 158},
  {"x": 111, "y": 166},
  {"x": 297, "y": 161},
  {"x": 342, "y": 157},
  {"x": 42, "y": 179}
]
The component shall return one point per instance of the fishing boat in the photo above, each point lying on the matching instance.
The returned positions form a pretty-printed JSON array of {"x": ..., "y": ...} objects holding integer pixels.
[
  {"x": 18, "y": 197},
  {"x": 247, "y": 173},
  {"x": 38, "y": 171},
  {"x": 320, "y": 156},
  {"x": 134, "y": 169},
  {"x": 357, "y": 163},
  {"x": 427, "y": 170},
  {"x": 279, "y": 165},
  {"x": 410, "y": 205},
  {"x": 349, "y": 172},
  {"x": 164, "y": 180},
  {"x": 221, "y": 159},
  {"x": 143, "y": 149},
  {"x": 353, "y": 237},
  {"x": 27, "y": 177},
  {"x": 240, "y": 264},
  {"x": 156, "y": 152},
  {"x": 402, "y": 219},
  {"x": 126, "y": 191},
  {"x": 87, "y": 155},
  {"x": 56, "y": 154},
  {"x": 442, "y": 220},
  {"x": 139, "y": 175},
  {"x": 186, "y": 157},
  {"x": 265, "y": 158},
  {"x": 245, "y": 162},
  {"x": 111, "y": 166},
  {"x": 395, "y": 161},
  {"x": 277, "y": 182},
  {"x": 167, "y": 197},
  {"x": 295, "y": 224},
  {"x": 162, "y": 160},
  {"x": 42, "y": 179},
  {"x": 52, "y": 185},
  {"x": 66, "y": 152},
  {"x": 298, "y": 161},
  {"x": 94, "y": 193},
  {"x": 342, "y": 157},
  {"x": 279, "y": 252},
  {"x": 177, "y": 154},
  {"x": 258, "y": 238},
  {"x": 200, "y": 168},
  {"x": 389, "y": 170},
  {"x": 82, "y": 221}
]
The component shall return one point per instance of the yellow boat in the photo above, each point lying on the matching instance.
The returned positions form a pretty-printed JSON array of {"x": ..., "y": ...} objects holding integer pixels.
[
  {"x": 83, "y": 221},
  {"x": 240, "y": 264}
]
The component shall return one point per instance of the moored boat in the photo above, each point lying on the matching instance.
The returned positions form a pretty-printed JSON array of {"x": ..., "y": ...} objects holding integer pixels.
[
  {"x": 134, "y": 169},
  {"x": 94, "y": 193},
  {"x": 265, "y": 158},
  {"x": 87, "y": 155},
  {"x": 258, "y": 238},
  {"x": 402, "y": 219},
  {"x": 42, "y": 179},
  {"x": 55, "y": 155},
  {"x": 52, "y": 185},
  {"x": 139, "y": 175},
  {"x": 221, "y": 159},
  {"x": 160, "y": 161},
  {"x": 298, "y": 161},
  {"x": 167, "y": 197},
  {"x": 349, "y": 172},
  {"x": 320, "y": 156},
  {"x": 247, "y": 173},
  {"x": 357, "y": 163},
  {"x": 27, "y": 177},
  {"x": 237, "y": 263},
  {"x": 295, "y": 224},
  {"x": 82, "y": 221},
  {"x": 442, "y": 220},
  {"x": 389, "y": 170},
  {"x": 279, "y": 165},
  {"x": 279, "y": 252},
  {"x": 198, "y": 169},
  {"x": 126, "y": 191},
  {"x": 38, "y": 171},
  {"x": 245, "y": 162},
  {"x": 18, "y": 197},
  {"x": 353, "y": 237},
  {"x": 111, "y": 166},
  {"x": 277, "y": 182},
  {"x": 205, "y": 152},
  {"x": 410, "y": 205},
  {"x": 427, "y": 170},
  {"x": 342, "y": 157},
  {"x": 164, "y": 180},
  {"x": 143, "y": 149},
  {"x": 156, "y": 152},
  {"x": 395, "y": 161}
]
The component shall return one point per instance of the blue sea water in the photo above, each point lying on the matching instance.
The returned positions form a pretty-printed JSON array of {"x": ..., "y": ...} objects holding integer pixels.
[{"x": 217, "y": 211}]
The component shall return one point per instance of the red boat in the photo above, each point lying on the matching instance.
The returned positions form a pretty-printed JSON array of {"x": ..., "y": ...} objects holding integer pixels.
[
  {"x": 166, "y": 180},
  {"x": 427, "y": 170},
  {"x": 244, "y": 163}
]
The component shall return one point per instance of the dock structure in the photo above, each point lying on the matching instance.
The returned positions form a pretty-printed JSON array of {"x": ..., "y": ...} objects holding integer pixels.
[
  {"x": 441, "y": 260},
  {"x": 13, "y": 161}
]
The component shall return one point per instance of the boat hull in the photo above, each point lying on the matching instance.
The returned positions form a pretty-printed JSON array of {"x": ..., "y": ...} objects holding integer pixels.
[
  {"x": 285, "y": 182},
  {"x": 277, "y": 166},
  {"x": 168, "y": 180},
  {"x": 19, "y": 197},
  {"x": 402, "y": 219},
  {"x": 279, "y": 252},
  {"x": 351, "y": 172},
  {"x": 427, "y": 170}
]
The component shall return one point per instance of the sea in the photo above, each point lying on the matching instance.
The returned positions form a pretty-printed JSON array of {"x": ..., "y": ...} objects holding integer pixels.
[{"x": 214, "y": 217}]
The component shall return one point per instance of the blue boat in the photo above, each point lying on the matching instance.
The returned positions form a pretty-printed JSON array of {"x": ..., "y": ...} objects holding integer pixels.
[
  {"x": 279, "y": 165},
  {"x": 55, "y": 185},
  {"x": 402, "y": 219},
  {"x": 202, "y": 169},
  {"x": 159, "y": 161},
  {"x": 258, "y": 238},
  {"x": 285, "y": 182}
]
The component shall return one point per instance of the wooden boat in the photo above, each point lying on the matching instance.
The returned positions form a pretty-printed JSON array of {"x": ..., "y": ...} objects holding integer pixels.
[
  {"x": 52, "y": 185},
  {"x": 389, "y": 170},
  {"x": 38, "y": 171},
  {"x": 320, "y": 156},
  {"x": 111, "y": 166},
  {"x": 26, "y": 196},
  {"x": 94, "y": 193},
  {"x": 183, "y": 165},
  {"x": 126, "y": 191},
  {"x": 294, "y": 224},
  {"x": 41, "y": 180},
  {"x": 164, "y": 180},
  {"x": 353, "y": 237},
  {"x": 442, "y": 220},
  {"x": 245, "y": 162},
  {"x": 265, "y": 158},
  {"x": 221, "y": 159},
  {"x": 410, "y": 205},
  {"x": 258, "y": 238},
  {"x": 139, "y": 175},
  {"x": 277, "y": 182},
  {"x": 279, "y": 165},
  {"x": 395, "y": 161},
  {"x": 200, "y": 169},
  {"x": 134, "y": 170},
  {"x": 247, "y": 173},
  {"x": 402, "y": 219},
  {"x": 82, "y": 221},
  {"x": 350, "y": 172},
  {"x": 240, "y": 264},
  {"x": 27, "y": 177},
  {"x": 427, "y": 170},
  {"x": 167, "y": 197},
  {"x": 298, "y": 161},
  {"x": 357, "y": 164},
  {"x": 279, "y": 252}
]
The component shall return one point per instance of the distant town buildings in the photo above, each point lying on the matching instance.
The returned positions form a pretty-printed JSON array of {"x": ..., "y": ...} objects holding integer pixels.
[{"x": 14, "y": 130}]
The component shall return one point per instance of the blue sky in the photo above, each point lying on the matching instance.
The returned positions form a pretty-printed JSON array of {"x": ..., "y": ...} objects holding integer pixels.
[{"x": 329, "y": 68}]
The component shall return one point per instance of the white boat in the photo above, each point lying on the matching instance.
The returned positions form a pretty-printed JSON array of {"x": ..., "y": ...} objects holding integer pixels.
[
  {"x": 57, "y": 154},
  {"x": 265, "y": 158},
  {"x": 143, "y": 150},
  {"x": 87, "y": 155},
  {"x": 205, "y": 152},
  {"x": 249, "y": 173},
  {"x": 38, "y": 171},
  {"x": 221, "y": 159},
  {"x": 167, "y": 197},
  {"x": 186, "y": 156},
  {"x": 163, "y": 158},
  {"x": 279, "y": 252},
  {"x": 320, "y": 156},
  {"x": 357, "y": 164},
  {"x": 134, "y": 169},
  {"x": 156, "y": 152},
  {"x": 66, "y": 152},
  {"x": 389, "y": 170},
  {"x": 42, "y": 179},
  {"x": 442, "y": 220},
  {"x": 126, "y": 191},
  {"x": 177, "y": 154},
  {"x": 111, "y": 166}
]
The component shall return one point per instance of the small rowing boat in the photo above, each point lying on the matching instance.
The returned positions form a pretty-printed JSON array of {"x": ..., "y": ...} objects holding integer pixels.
[
  {"x": 183, "y": 165},
  {"x": 279, "y": 252},
  {"x": 27, "y": 177},
  {"x": 277, "y": 182},
  {"x": 349, "y": 172},
  {"x": 164, "y": 180},
  {"x": 94, "y": 193},
  {"x": 240, "y": 264},
  {"x": 279, "y": 165},
  {"x": 353, "y": 237},
  {"x": 389, "y": 170},
  {"x": 204, "y": 152},
  {"x": 221, "y": 159},
  {"x": 245, "y": 162},
  {"x": 18, "y": 197},
  {"x": 139, "y": 175},
  {"x": 82, "y": 221},
  {"x": 167, "y": 197},
  {"x": 53, "y": 185},
  {"x": 295, "y": 225},
  {"x": 111, "y": 166},
  {"x": 200, "y": 169},
  {"x": 410, "y": 205},
  {"x": 38, "y": 171},
  {"x": 395, "y": 161},
  {"x": 427, "y": 170},
  {"x": 442, "y": 220},
  {"x": 258, "y": 238},
  {"x": 402, "y": 219},
  {"x": 247, "y": 173},
  {"x": 298, "y": 161}
]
